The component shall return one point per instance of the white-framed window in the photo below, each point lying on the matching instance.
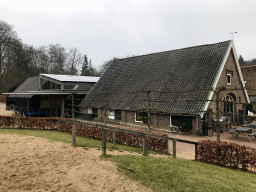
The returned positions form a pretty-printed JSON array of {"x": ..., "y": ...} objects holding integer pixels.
[
  {"x": 89, "y": 110},
  {"x": 141, "y": 117},
  {"x": 228, "y": 79},
  {"x": 111, "y": 114},
  {"x": 229, "y": 104}
]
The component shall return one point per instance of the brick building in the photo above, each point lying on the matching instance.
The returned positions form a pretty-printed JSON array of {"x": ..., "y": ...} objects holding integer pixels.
[
  {"x": 249, "y": 74},
  {"x": 172, "y": 87}
]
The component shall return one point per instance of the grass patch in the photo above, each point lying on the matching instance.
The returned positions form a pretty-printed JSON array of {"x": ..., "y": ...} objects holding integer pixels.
[
  {"x": 67, "y": 138},
  {"x": 168, "y": 174}
]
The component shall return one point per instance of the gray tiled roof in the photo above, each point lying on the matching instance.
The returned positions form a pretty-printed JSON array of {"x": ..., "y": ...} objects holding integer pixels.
[
  {"x": 171, "y": 74},
  {"x": 252, "y": 98},
  {"x": 30, "y": 84}
]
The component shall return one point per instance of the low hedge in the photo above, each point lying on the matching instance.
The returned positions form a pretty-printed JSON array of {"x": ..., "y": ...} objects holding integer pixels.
[
  {"x": 61, "y": 124},
  {"x": 226, "y": 154}
]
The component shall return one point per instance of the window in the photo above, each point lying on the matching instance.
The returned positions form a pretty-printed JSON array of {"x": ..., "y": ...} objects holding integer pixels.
[
  {"x": 111, "y": 114},
  {"x": 118, "y": 114},
  {"x": 229, "y": 104},
  {"x": 94, "y": 112},
  {"x": 228, "y": 79},
  {"x": 89, "y": 110},
  {"x": 141, "y": 117}
]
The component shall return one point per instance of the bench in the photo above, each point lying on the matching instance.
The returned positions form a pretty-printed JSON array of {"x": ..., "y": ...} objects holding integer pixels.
[
  {"x": 252, "y": 134},
  {"x": 231, "y": 132}
]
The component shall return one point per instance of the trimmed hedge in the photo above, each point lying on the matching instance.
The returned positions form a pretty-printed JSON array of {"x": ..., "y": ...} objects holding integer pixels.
[
  {"x": 226, "y": 154},
  {"x": 61, "y": 124}
]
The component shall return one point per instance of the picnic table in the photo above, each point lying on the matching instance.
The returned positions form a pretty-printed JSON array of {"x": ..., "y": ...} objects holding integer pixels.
[
  {"x": 243, "y": 131},
  {"x": 252, "y": 124}
]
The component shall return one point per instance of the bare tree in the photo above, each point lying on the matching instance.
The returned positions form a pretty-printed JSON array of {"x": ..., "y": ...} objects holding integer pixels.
[
  {"x": 43, "y": 59},
  {"x": 105, "y": 65},
  {"x": 7, "y": 37},
  {"x": 58, "y": 58},
  {"x": 74, "y": 59}
]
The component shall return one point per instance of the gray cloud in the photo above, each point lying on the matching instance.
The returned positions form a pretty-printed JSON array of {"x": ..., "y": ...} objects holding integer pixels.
[{"x": 104, "y": 29}]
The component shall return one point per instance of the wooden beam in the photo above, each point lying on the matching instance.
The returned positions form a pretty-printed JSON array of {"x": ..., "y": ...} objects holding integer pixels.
[
  {"x": 74, "y": 134},
  {"x": 174, "y": 149},
  {"x": 114, "y": 139},
  {"x": 196, "y": 156},
  {"x": 101, "y": 126},
  {"x": 167, "y": 146},
  {"x": 144, "y": 145},
  {"x": 104, "y": 142},
  {"x": 62, "y": 106}
]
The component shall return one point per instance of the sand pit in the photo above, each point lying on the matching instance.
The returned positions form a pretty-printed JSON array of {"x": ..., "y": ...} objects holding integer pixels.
[{"x": 36, "y": 164}]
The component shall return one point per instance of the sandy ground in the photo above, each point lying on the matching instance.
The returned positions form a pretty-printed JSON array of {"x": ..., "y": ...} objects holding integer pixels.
[{"x": 36, "y": 164}]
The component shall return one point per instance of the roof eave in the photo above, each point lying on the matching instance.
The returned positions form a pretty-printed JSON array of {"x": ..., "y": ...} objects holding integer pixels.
[{"x": 217, "y": 79}]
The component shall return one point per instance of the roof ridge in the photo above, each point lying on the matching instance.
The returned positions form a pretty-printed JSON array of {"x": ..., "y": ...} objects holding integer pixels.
[
  {"x": 173, "y": 50},
  {"x": 247, "y": 66}
]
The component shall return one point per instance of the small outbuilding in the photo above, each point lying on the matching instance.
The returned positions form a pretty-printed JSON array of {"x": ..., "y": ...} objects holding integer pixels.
[{"x": 47, "y": 94}]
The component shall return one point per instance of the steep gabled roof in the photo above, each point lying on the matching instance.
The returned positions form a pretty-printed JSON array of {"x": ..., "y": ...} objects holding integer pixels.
[
  {"x": 252, "y": 98},
  {"x": 173, "y": 76}
]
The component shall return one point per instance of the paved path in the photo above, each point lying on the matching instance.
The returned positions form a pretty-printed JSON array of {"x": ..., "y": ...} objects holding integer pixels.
[{"x": 187, "y": 151}]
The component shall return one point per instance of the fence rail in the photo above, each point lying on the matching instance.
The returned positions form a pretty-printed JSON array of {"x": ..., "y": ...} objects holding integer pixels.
[{"x": 144, "y": 135}]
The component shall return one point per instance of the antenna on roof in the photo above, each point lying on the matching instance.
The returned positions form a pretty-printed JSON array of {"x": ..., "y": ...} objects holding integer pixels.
[{"x": 232, "y": 34}]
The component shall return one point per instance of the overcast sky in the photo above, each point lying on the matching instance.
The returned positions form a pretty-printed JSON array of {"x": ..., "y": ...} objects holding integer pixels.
[{"x": 104, "y": 29}]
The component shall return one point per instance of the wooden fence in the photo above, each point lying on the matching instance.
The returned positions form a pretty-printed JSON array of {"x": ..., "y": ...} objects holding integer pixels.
[{"x": 115, "y": 129}]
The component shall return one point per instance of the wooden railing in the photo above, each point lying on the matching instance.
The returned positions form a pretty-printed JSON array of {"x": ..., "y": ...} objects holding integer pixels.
[{"x": 115, "y": 129}]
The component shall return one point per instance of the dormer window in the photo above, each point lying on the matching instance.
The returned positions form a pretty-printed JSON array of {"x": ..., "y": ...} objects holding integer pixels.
[{"x": 228, "y": 79}]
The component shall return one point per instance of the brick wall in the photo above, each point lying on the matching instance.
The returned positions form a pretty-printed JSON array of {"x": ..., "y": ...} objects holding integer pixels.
[
  {"x": 230, "y": 68},
  {"x": 249, "y": 74},
  {"x": 84, "y": 110},
  {"x": 123, "y": 116},
  {"x": 164, "y": 121},
  {"x": 154, "y": 120},
  {"x": 100, "y": 113},
  {"x": 2, "y": 97},
  {"x": 200, "y": 123},
  {"x": 130, "y": 116}
]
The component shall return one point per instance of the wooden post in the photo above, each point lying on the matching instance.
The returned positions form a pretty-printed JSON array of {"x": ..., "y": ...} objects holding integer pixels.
[
  {"x": 196, "y": 157},
  {"x": 73, "y": 134},
  {"x": 105, "y": 108},
  {"x": 144, "y": 145},
  {"x": 217, "y": 102},
  {"x": 114, "y": 139},
  {"x": 104, "y": 144},
  {"x": 73, "y": 111},
  {"x": 167, "y": 146},
  {"x": 149, "y": 110},
  {"x": 73, "y": 124},
  {"x": 62, "y": 106},
  {"x": 174, "y": 149}
]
